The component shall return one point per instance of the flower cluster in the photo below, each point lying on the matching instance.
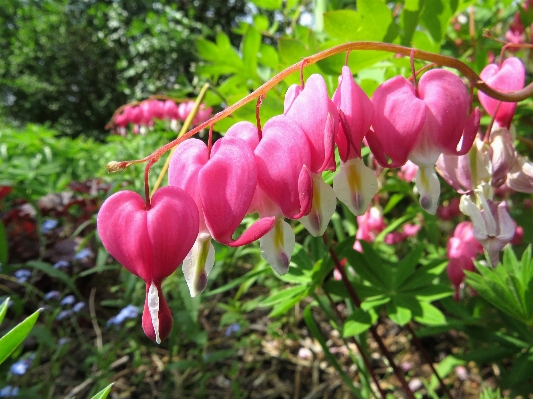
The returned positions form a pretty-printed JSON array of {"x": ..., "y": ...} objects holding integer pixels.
[
  {"x": 275, "y": 171},
  {"x": 142, "y": 116}
]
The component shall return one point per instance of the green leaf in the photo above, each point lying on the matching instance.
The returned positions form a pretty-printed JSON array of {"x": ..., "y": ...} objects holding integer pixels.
[
  {"x": 399, "y": 314},
  {"x": 315, "y": 332},
  {"x": 431, "y": 315},
  {"x": 251, "y": 43},
  {"x": 407, "y": 265},
  {"x": 283, "y": 307},
  {"x": 343, "y": 24},
  {"x": 103, "y": 393},
  {"x": 436, "y": 17},
  {"x": 10, "y": 341},
  {"x": 378, "y": 24},
  {"x": 358, "y": 322},
  {"x": 55, "y": 273},
  {"x": 3, "y": 309},
  {"x": 261, "y": 22},
  {"x": 268, "y": 56},
  {"x": 268, "y": 4},
  {"x": 3, "y": 245},
  {"x": 283, "y": 295}
]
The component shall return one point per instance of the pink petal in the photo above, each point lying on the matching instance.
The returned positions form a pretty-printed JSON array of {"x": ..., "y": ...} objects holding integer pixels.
[
  {"x": 358, "y": 110},
  {"x": 164, "y": 318},
  {"x": 310, "y": 109},
  {"x": 509, "y": 77},
  {"x": 398, "y": 119},
  {"x": 281, "y": 156},
  {"x": 226, "y": 186}
]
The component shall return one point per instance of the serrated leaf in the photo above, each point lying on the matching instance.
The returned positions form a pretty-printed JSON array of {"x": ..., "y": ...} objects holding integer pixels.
[
  {"x": 10, "y": 341},
  {"x": 103, "y": 393},
  {"x": 364, "y": 269},
  {"x": 358, "y": 322}
]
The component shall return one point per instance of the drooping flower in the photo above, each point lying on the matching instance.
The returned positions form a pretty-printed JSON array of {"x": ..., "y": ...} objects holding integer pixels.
[
  {"x": 462, "y": 249},
  {"x": 466, "y": 172},
  {"x": 493, "y": 226},
  {"x": 150, "y": 243},
  {"x": 312, "y": 110},
  {"x": 422, "y": 125},
  {"x": 369, "y": 225},
  {"x": 355, "y": 184},
  {"x": 223, "y": 187},
  {"x": 507, "y": 77}
]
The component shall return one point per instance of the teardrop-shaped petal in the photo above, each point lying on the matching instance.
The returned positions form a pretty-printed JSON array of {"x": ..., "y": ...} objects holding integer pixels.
[
  {"x": 277, "y": 246},
  {"x": 156, "y": 318},
  {"x": 358, "y": 111},
  {"x": 226, "y": 186},
  {"x": 198, "y": 263},
  {"x": 322, "y": 209},
  {"x": 355, "y": 185},
  {"x": 398, "y": 119},
  {"x": 281, "y": 157},
  {"x": 428, "y": 186}
]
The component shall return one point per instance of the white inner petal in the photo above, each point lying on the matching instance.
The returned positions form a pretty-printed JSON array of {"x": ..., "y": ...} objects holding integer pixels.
[{"x": 153, "y": 308}]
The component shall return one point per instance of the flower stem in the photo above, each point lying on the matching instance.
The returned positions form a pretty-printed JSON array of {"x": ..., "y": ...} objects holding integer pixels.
[{"x": 439, "y": 59}]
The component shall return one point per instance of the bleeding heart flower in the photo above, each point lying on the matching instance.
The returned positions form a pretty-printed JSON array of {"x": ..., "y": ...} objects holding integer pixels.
[
  {"x": 509, "y": 76},
  {"x": 150, "y": 243}
]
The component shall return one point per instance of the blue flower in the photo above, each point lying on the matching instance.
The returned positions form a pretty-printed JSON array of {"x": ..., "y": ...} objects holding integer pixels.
[
  {"x": 129, "y": 312},
  {"x": 68, "y": 300},
  {"x": 233, "y": 328},
  {"x": 9, "y": 392},
  {"x": 63, "y": 314},
  {"x": 62, "y": 264},
  {"x": 79, "y": 306},
  {"x": 22, "y": 275},
  {"x": 20, "y": 367},
  {"x": 52, "y": 295},
  {"x": 48, "y": 226},
  {"x": 84, "y": 253}
]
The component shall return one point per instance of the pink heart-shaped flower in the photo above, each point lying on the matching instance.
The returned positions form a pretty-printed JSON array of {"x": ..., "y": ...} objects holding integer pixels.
[{"x": 150, "y": 244}]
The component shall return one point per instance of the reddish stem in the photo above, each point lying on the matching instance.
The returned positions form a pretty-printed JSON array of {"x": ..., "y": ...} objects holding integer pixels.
[
  {"x": 355, "y": 299},
  {"x": 258, "y": 116},
  {"x": 359, "y": 348},
  {"x": 210, "y": 142}
]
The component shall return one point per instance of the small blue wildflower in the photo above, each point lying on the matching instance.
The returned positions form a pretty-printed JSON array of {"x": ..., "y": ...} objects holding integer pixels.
[
  {"x": 63, "y": 341},
  {"x": 20, "y": 367},
  {"x": 233, "y": 328},
  {"x": 22, "y": 275},
  {"x": 9, "y": 392},
  {"x": 129, "y": 312},
  {"x": 52, "y": 295},
  {"x": 68, "y": 300},
  {"x": 79, "y": 306},
  {"x": 62, "y": 264},
  {"x": 48, "y": 225},
  {"x": 63, "y": 314},
  {"x": 84, "y": 253}
]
